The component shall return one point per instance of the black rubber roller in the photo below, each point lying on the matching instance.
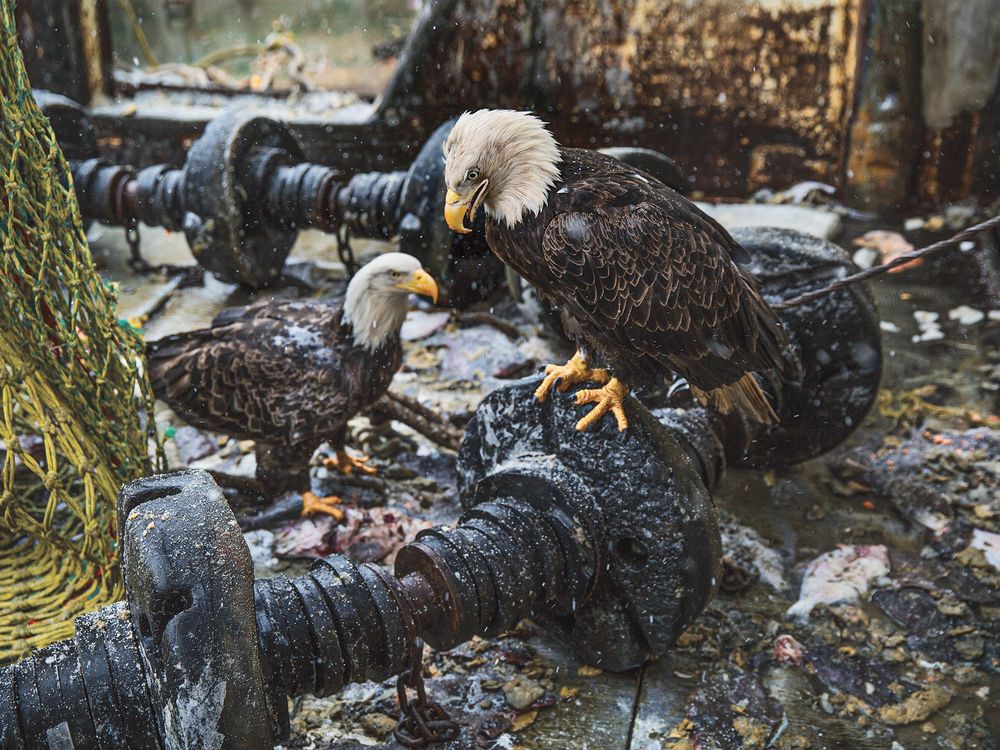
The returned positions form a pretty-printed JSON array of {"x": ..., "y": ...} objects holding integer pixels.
[
  {"x": 389, "y": 657},
  {"x": 500, "y": 576},
  {"x": 299, "y": 661},
  {"x": 474, "y": 561},
  {"x": 515, "y": 561}
]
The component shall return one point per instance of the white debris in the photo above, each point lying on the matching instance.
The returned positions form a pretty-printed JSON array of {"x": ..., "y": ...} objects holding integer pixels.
[
  {"x": 967, "y": 246},
  {"x": 989, "y": 543},
  {"x": 913, "y": 224},
  {"x": 245, "y": 466},
  {"x": 930, "y": 328},
  {"x": 419, "y": 324},
  {"x": 841, "y": 575},
  {"x": 744, "y": 543},
  {"x": 966, "y": 316},
  {"x": 865, "y": 257},
  {"x": 802, "y": 192},
  {"x": 993, "y": 315},
  {"x": 931, "y": 334},
  {"x": 933, "y": 521},
  {"x": 889, "y": 326},
  {"x": 814, "y": 221},
  {"x": 261, "y": 544},
  {"x": 958, "y": 216}
]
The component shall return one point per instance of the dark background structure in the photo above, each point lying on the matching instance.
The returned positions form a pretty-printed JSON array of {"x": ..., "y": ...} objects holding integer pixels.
[{"x": 894, "y": 102}]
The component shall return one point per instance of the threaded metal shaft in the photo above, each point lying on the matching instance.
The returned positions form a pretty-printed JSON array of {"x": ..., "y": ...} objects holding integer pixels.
[
  {"x": 340, "y": 623},
  {"x": 294, "y": 196},
  {"x": 343, "y": 623}
]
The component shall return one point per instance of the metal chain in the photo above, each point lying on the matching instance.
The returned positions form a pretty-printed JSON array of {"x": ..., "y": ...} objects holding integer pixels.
[
  {"x": 345, "y": 251},
  {"x": 136, "y": 262},
  {"x": 421, "y": 722},
  {"x": 191, "y": 275}
]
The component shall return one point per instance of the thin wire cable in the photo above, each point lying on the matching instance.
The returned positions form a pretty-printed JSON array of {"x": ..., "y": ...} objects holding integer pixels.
[{"x": 937, "y": 247}]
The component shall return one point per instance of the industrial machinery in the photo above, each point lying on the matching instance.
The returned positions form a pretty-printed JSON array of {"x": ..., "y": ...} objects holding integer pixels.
[
  {"x": 246, "y": 190},
  {"x": 619, "y": 563}
]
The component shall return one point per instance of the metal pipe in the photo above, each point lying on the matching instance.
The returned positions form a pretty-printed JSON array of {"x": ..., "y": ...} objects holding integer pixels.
[{"x": 339, "y": 623}]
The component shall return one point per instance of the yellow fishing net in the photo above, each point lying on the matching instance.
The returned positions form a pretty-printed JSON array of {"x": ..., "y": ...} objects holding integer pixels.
[{"x": 74, "y": 394}]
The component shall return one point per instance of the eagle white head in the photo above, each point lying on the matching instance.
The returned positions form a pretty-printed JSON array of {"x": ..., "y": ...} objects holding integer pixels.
[
  {"x": 376, "y": 300},
  {"x": 503, "y": 160}
]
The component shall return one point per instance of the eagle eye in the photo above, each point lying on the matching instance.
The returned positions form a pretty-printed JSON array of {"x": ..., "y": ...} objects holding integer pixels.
[{"x": 472, "y": 175}]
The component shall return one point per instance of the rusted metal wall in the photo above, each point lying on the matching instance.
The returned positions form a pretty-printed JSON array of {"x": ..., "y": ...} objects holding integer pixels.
[
  {"x": 885, "y": 132},
  {"x": 960, "y": 88},
  {"x": 742, "y": 93}
]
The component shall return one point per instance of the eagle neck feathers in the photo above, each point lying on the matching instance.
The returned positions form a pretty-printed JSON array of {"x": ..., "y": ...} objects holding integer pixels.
[
  {"x": 516, "y": 156},
  {"x": 527, "y": 192},
  {"x": 374, "y": 320}
]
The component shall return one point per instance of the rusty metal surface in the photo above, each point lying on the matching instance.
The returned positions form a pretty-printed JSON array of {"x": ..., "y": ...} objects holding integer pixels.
[
  {"x": 742, "y": 93},
  {"x": 719, "y": 84},
  {"x": 961, "y": 99},
  {"x": 885, "y": 132},
  {"x": 728, "y": 88}
]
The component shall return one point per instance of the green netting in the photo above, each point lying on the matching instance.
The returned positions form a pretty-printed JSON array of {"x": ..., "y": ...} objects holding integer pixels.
[{"x": 72, "y": 382}]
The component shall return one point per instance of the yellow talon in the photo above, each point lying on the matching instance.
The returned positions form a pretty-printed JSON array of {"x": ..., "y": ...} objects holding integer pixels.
[
  {"x": 607, "y": 398},
  {"x": 312, "y": 505},
  {"x": 573, "y": 372},
  {"x": 346, "y": 464}
]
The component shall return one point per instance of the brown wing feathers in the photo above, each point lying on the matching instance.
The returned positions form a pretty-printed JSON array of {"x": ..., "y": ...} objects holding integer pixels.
[
  {"x": 252, "y": 378},
  {"x": 653, "y": 284}
]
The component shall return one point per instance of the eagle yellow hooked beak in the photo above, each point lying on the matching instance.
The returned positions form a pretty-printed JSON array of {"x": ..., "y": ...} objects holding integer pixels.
[
  {"x": 457, "y": 208},
  {"x": 423, "y": 283}
]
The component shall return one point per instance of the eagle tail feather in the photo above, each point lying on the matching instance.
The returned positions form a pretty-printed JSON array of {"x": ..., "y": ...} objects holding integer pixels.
[{"x": 744, "y": 395}]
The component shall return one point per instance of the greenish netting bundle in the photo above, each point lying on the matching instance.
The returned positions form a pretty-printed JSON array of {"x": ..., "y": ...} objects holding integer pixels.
[{"x": 72, "y": 386}]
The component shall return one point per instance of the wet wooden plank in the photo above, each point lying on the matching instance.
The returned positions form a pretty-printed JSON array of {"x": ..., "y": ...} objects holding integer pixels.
[
  {"x": 661, "y": 702},
  {"x": 808, "y": 725},
  {"x": 598, "y": 718}
]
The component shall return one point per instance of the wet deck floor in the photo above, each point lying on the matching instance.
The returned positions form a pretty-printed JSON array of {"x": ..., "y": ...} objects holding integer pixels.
[{"x": 724, "y": 686}]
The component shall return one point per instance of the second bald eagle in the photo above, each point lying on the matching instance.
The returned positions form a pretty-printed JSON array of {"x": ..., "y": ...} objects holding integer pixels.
[{"x": 641, "y": 276}]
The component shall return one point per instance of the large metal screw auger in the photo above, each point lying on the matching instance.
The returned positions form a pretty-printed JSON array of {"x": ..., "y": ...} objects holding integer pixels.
[
  {"x": 246, "y": 190},
  {"x": 619, "y": 561}
]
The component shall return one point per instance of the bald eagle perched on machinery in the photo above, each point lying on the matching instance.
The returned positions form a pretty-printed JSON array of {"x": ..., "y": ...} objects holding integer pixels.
[
  {"x": 641, "y": 276},
  {"x": 290, "y": 375}
]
